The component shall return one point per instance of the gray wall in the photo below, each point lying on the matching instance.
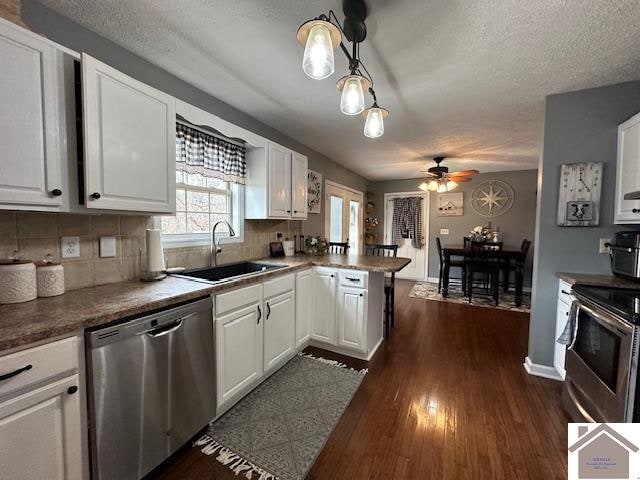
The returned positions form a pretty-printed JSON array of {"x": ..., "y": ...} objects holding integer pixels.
[
  {"x": 578, "y": 127},
  {"x": 60, "y": 29},
  {"x": 516, "y": 224}
]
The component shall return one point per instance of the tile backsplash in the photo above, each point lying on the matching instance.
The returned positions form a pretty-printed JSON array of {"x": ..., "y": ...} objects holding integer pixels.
[{"x": 35, "y": 235}]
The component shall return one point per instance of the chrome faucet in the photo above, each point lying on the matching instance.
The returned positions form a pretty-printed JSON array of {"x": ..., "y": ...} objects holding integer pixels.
[{"x": 215, "y": 246}]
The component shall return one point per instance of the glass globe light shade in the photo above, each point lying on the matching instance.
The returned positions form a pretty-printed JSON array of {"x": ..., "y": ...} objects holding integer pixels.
[
  {"x": 374, "y": 125},
  {"x": 318, "y": 61},
  {"x": 432, "y": 186},
  {"x": 442, "y": 187},
  {"x": 352, "y": 100},
  {"x": 451, "y": 185}
]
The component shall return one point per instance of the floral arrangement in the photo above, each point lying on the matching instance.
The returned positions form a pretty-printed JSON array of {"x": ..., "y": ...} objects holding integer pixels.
[
  {"x": 370, "y": 224},
  {"x": 479, "y": 234},
  {"x": 316, "y": 245}
]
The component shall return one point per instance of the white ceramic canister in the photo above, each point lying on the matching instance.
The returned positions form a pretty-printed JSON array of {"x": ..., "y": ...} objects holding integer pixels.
[
  {"x": 17, "y": 281},
  {"x": 50, "y": 279},
  {"x": 289, "y": 248}
]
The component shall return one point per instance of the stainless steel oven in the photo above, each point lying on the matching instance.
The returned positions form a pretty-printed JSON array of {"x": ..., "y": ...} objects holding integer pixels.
[{"x": 601, "y": 365}]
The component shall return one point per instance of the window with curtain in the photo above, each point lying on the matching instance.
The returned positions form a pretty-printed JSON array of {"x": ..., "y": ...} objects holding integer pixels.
[{"x": 210, "y": 173}]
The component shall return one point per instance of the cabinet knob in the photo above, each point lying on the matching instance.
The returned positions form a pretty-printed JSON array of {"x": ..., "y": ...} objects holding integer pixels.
[
  {"x": 56, "y": 192},
  {"x": 95, "y": 195},
  {"x": 71, "y": 390},
  {"x": 636, "y": 210},
  {"x": 288, "y": 211},
  {"x": 362, "y": 295},
  {"x": 295, "y": 211},
  {"x": 332, "y": 275}
]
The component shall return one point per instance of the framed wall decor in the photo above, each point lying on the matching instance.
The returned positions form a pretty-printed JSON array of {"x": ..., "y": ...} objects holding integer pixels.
[
  {"x": 451, "y": 204},
  {"x": 314, "y": 191},
  {"x": 492, "y": 198},
  {"x": 579, "y": 195}
]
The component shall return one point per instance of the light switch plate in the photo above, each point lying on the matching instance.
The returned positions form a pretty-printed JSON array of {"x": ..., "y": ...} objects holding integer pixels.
[
  {"x": 602, "y": 248},
  {"x": 107, "y": 247},
  {"x": 70, "y": 247},
  {"x": 444, "y": 231}
]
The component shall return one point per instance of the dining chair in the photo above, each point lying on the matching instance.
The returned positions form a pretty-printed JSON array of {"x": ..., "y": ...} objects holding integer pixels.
[
  {"x": 452, "y": 263},
  {"x": 517, "y": 266},
  {"x": 341, "y": 248},
  {"x": 380, "y": 250},
  {"x": 484, "y": 258}
]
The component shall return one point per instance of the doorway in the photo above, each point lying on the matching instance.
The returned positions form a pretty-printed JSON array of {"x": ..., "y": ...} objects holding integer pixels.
[
  {"x": 418, "y": 268},
  {"x": 343, "y": 215}
]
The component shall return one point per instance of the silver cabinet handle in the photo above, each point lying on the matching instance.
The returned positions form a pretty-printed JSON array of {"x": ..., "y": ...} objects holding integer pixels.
[{"x": 161, "y": 332}]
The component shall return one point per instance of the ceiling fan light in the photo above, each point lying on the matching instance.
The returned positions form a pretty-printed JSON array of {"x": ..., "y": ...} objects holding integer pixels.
[
  {"x": 318, "y": 60},
  {"x": 352, "y": 99},
  {"x": 432, "y": 186},
  {"x": 424, "y": 186},
  {"x": 374, "y": 125},
  {"x": 451, "y": 185},
  {"x": 442, "y": 187}
]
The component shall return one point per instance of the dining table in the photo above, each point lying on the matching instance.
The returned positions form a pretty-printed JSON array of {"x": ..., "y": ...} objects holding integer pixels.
[{"x": 506, "y": 254}]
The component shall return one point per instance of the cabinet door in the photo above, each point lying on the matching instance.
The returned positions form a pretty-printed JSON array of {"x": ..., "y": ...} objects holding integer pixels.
[
  {"x": 299, "y": 166},
  {"x": 305, "y": 306},
  {"x": 238, "y": 351},
  {"x": 129, "y": 141},
  {"x": 562, "y": 315},
  {"x": 351, "y": 315},
  {"x": 279, "y": 179},
  {"x": 279, "y": 330},
  {"x": 30, "y": 163},
  {"x": 628, "y": 171},
  {"x": 40, "y": 433},
  {"x": 324, "y": 293}
]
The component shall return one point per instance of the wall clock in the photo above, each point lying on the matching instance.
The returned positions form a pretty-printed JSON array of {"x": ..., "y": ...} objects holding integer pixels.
[
  {"x": 579, "y": 197},
  {"x": 492, "y": 198}
]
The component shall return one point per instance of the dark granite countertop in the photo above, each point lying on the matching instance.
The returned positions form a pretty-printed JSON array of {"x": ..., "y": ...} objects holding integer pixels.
[
  {"x": 598, "y": 280},
  {"x": 38, "y": 320}
]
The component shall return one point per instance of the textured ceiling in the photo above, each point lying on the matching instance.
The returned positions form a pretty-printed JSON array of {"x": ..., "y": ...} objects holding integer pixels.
[{"x": 462, "y": 78}]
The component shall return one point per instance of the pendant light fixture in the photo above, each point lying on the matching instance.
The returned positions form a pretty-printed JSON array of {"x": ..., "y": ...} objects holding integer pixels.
[{"x": 319, "y": 37}]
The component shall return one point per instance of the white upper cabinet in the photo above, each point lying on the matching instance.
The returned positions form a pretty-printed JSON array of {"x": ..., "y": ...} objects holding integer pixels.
[
  {"x": 627, "y": 204},
  {"x": 279, "y": 178},
  {"x": 276, "y": 185},
  {"x": 299, "y": 167},
  {"x": 129, "y": 142},
  {"x": 31, "y": 175}
]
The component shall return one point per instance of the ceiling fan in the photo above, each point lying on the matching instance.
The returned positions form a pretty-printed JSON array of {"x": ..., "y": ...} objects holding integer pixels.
[{"x": 439, "y": 179}]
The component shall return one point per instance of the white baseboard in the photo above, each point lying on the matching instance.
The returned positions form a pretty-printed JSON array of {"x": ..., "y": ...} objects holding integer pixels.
[
  {"x": 544, "y": 371},
  {"x": 345, "y": 351}
]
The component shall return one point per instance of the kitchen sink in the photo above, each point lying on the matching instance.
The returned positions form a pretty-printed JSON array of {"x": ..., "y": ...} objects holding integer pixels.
[{"x": 229, "y": 271}]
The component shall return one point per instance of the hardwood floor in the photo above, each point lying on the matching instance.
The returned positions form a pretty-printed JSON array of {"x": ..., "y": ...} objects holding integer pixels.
[{"x": 445, "y": 398}]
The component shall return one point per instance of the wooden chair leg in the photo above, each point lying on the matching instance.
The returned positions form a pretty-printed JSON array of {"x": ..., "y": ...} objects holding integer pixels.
[
  {"x": 496, "y": 287},
  {"x": 440, "y": 280},
  {"x": 470, "y": 284},
  {"x": 392, "y": 301},
  {"x": 386, "y": 317}
]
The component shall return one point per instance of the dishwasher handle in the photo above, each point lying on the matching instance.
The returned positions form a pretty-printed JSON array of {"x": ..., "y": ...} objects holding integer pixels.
[{"x": 165, "y": 330}]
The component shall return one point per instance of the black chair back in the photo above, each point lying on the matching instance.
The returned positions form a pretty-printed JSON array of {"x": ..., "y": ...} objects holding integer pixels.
[
  {"x": 524, "y": 250},
  {"x": 380, "y": 250},
  {"x": 485, "y": 250},
  {"x": 341, "y": 248},
  {"x": 466, "y": 241},
  {"x": 439, "y": 248}
]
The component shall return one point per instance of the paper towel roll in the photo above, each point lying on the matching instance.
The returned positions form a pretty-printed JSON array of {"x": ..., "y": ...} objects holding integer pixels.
[{"x": 155, "y": 255}]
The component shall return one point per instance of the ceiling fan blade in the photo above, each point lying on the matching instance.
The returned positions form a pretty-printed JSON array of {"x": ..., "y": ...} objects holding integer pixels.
[
  {"x": 465, "y": 172},
  {"x": 429, "y": 174},
  {"x": 459, "y": 179}
]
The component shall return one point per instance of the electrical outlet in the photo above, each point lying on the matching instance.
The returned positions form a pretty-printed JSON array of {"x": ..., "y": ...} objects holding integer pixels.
[
  {"x": 444, "y": 231},
  {"x": 70, "y": 247},
  {"x": 602, "y": 248},
  {"x": 107, "y": 247}
]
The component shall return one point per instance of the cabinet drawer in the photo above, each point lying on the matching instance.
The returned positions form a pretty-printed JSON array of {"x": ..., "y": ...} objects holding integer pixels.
[
  {"x": 564, "y": 292},
  {"x": 279, "y": 285},
  {"x": 37, "y": 364},
  {"x": 226, "y": 302},
  {"x": 353, "y": 278}
]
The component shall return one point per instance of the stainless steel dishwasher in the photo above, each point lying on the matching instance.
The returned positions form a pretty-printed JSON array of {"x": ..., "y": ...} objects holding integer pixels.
[{"x": 151, "y": 388}]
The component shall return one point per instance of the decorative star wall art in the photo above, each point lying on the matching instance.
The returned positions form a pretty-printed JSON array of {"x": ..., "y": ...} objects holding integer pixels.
[{"x": 492, "y": 198}]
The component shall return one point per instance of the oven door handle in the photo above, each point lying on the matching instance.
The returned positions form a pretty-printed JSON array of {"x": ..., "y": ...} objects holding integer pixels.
[
  {"x": 583, "y": 411},
  {"x": 619, "y": 325}
]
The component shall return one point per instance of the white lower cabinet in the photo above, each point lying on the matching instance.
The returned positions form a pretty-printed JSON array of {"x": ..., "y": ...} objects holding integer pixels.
[
  {"x": 304, "y": 306},
  {"x": 255, "y": 335},
  {"x": 42, "y": 413},
  {"x": 324, "y": 311},
  {"x": 279, "y": 330},
  {"x": 40, "y": 433},
  {"x": 238, "y": 351},
  {"x": 351, "y": 317}
]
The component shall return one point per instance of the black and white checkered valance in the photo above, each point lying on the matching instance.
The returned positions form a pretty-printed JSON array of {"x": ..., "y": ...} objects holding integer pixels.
[{"x": 197, "y": 152}]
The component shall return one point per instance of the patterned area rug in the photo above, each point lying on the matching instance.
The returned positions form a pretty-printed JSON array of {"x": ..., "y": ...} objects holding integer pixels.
[
  {"x": 278, "y": 430},
  {"x": 429, "y": 291}
]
